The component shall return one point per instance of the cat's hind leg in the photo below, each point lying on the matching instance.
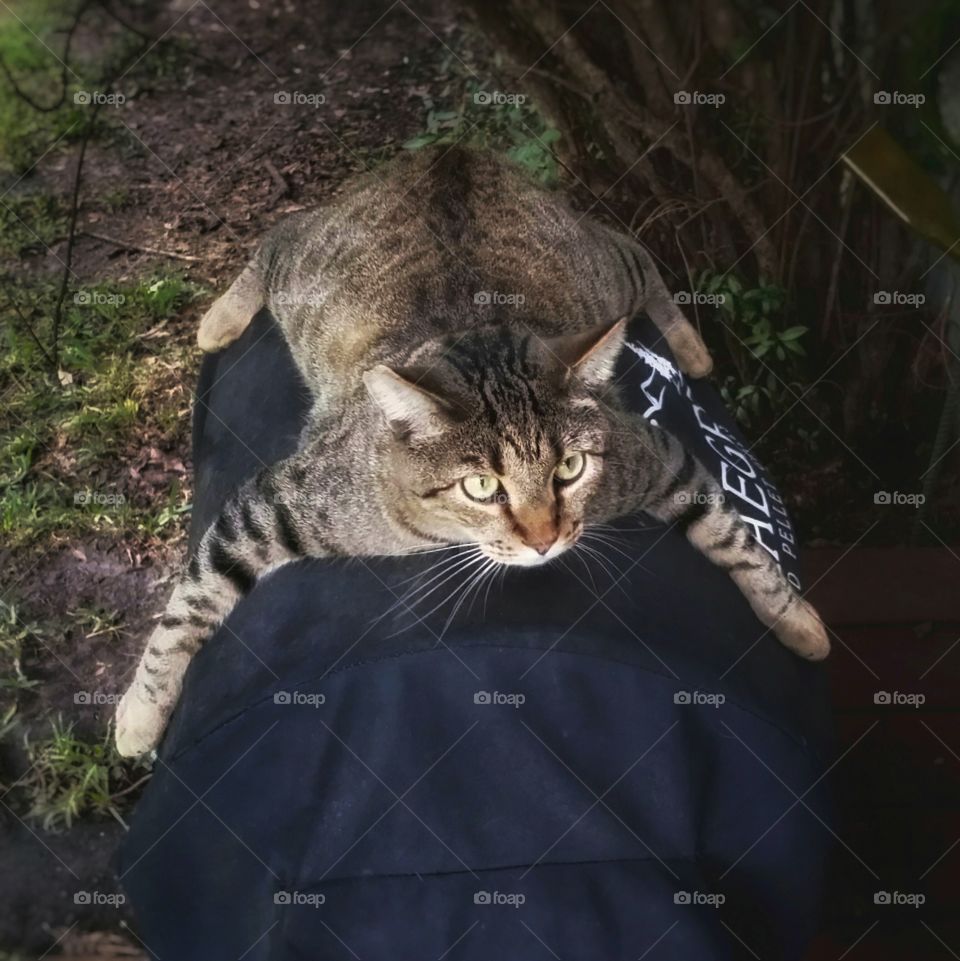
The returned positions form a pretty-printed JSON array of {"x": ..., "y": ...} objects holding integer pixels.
[
  {"x": 641, "y": 287},
  {"x": 231, "y": 313},
  {"x": 683, "y": 338}
]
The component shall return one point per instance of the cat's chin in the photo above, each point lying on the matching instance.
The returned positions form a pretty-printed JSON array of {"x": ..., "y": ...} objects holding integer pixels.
[{"x": 529, "y": 558}]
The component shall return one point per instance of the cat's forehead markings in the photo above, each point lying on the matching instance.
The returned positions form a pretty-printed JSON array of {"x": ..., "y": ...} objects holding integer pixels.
[{"x": 519, "y": 459}]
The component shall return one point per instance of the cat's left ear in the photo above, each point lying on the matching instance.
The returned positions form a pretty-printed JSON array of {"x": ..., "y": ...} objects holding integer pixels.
[
  {"x": 410, "y": 409},
  {"x": 591, "y": 357}
]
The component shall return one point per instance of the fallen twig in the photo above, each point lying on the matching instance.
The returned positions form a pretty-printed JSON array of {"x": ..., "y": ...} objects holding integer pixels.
[
  {"x": 142, "y": 248},
  {"x": 282, "y": 188}
]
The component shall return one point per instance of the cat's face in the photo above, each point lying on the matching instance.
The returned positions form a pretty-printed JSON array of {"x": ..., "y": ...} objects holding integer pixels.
[{"x": 499, "y": 440}]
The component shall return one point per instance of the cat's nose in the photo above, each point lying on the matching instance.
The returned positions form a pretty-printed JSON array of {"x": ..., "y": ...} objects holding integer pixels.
[
  {"x": 540, "y": 541},
  {"x": 541, "y": 547},
  {"x": 537, "y": 527}
]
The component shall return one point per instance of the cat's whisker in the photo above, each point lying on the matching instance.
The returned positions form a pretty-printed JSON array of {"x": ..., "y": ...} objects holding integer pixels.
[
  {"x": 462, "y": 569},
  {"x": 586, "y": 567},
  {"x": 450, "y": 570},
  {"x": 473, "y": 581},
  {"x": 410, "y": 599},
  {"x": 499, "y": 571},
  {"x": 624, "y": 545},
  {"x": 436, "y": 550},
  {"x": 616, "y": 575},
  {"x": 476, "y": 587},
  {"x": 602, "y": 561},
  {"x": 606, "y": 540},
  {"x": 433, "y": 567},
  {"x": 616, "y": 529},
  {"x": 494, "y": 572}
]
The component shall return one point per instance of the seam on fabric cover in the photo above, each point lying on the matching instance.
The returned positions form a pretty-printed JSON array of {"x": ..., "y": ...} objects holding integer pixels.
[{"x": 806, "y": 748}]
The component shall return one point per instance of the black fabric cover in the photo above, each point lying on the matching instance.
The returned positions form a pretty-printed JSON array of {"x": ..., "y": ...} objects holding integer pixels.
[{"x": 574, "y": 769}]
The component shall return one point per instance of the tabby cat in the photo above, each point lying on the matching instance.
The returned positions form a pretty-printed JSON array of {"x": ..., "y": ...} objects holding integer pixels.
[{"x": 458, "y": 328}]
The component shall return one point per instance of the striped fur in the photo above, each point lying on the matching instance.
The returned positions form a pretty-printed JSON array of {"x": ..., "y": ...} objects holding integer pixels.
[{"x": 451, "y": 320}]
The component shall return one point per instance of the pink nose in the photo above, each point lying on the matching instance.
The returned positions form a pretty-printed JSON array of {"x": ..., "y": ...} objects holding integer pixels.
[{"x": 541, "y": 544}]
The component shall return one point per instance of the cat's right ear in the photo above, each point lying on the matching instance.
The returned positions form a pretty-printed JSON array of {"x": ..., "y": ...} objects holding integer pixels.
[
  {"x": 590, "y": 356},
  {"x": 410, "y": 410}
]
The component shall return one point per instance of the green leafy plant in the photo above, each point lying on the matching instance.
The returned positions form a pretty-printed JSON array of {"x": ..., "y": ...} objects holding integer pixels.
[
  {"x": 766, "y": 353},
  {"x": 484, "y": 117}
]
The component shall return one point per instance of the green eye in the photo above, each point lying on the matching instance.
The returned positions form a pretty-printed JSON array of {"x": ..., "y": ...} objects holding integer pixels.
[
  {"x": 480, "y": 487},
  {"x": 570, "y": 468}
]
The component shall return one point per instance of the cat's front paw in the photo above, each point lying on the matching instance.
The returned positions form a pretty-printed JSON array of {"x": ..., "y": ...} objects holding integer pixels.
[
  {"x": 803, "y": 632},
  {"x": 139, "y": 725}
]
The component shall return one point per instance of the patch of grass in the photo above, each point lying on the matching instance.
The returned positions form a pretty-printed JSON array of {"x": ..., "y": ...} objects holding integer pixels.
[
  {"x": 29, "y": 223},
  {"x": 69, "y": 777},
  {"x": 114, "y": 200},
  {"x": 14, "y": 635},
  {"x": 66, "y": 776},
  {"x": 64, "y": 437},
  {"x": 483, "y": 116},
  {"x": 32, "y": 44},
  {"x": 97, "y": 622},
  {"x": 166, "y": 516},
  {"x": 27, "y": 42}
]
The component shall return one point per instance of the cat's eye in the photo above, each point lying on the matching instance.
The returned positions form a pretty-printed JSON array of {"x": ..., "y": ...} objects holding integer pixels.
[
  {"x": 570, "y": 468},
  {"x": 480, "y": 487}
]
